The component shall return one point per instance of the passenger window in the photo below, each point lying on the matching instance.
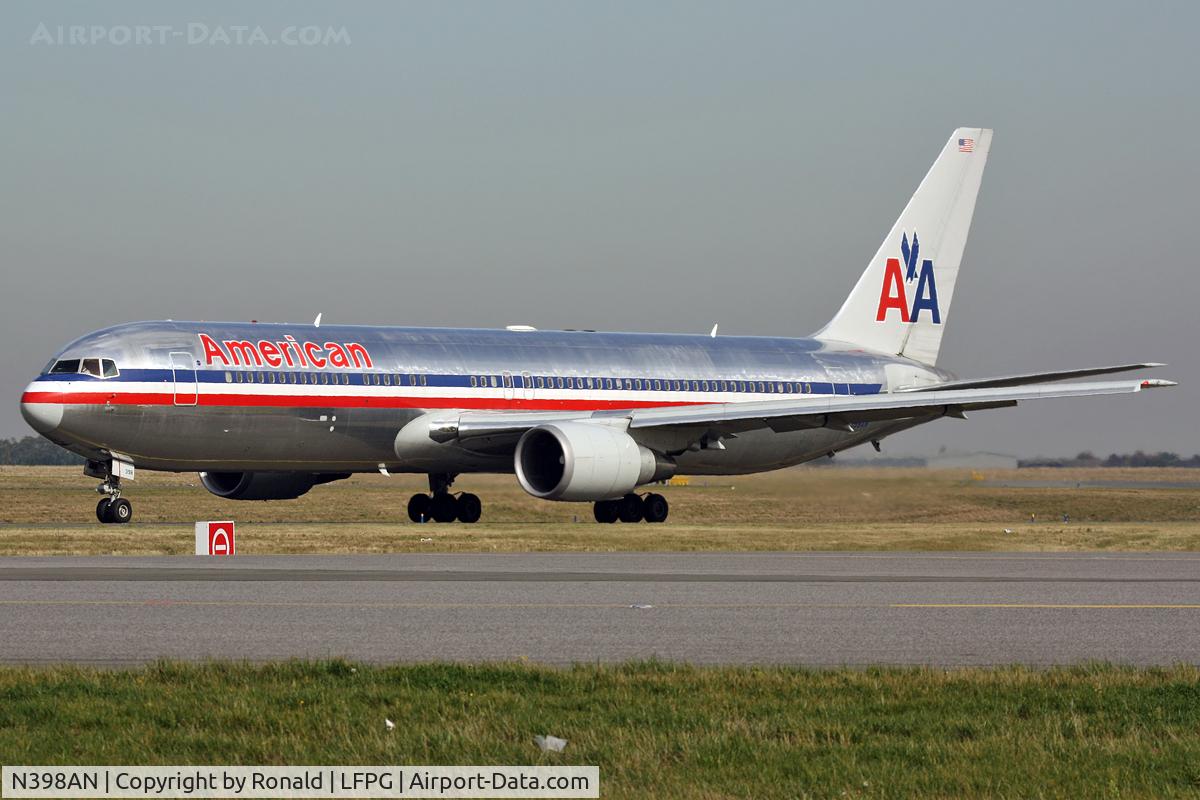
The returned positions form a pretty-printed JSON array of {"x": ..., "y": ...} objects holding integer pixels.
[
  {"x": 229, "y": 377},
  {"x": 387, "y": 379},
  {"x": 90, "y": 366},
  {"x": 424, "y": 380},
  {"x": 492, "y": 380}
]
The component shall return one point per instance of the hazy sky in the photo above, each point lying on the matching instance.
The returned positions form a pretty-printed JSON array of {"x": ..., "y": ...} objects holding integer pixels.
[{"x": 628, "y": 166}]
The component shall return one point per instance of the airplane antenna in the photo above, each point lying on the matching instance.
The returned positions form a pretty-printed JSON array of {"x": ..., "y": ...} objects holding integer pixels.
[
  {"x": 317, "y": 321},
  {"x": 713, "y": 332}
]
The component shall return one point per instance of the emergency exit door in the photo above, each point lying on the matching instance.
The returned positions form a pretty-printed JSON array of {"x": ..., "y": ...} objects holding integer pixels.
[{"x": 183, "y": 375}]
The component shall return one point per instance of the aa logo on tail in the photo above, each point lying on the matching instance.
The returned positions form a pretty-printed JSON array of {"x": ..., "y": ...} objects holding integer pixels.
[{"x": 894, "y": 295}]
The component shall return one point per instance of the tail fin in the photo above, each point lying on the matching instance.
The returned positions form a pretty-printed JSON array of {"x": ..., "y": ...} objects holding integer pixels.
[{"x": 900, "y": 303}]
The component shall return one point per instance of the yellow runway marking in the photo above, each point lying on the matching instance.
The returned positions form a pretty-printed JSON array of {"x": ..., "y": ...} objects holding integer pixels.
[{"x": 1046, "y": 605}]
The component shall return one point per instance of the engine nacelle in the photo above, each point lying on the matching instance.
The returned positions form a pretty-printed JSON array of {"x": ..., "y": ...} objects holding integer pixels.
[
  {"x": 264, "y": 485},
  {"x": 583, "y": 461}
]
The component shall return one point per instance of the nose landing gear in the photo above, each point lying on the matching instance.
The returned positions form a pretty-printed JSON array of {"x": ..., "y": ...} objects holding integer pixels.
[
  {"x": 442, "y": 506},
  {"x": 112, "y": 508}
]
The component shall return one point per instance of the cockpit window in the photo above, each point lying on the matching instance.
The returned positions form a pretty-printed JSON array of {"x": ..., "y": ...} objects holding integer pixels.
[
  {"x": 96, "y": 367},
  {"x": 65, "y": 366}
]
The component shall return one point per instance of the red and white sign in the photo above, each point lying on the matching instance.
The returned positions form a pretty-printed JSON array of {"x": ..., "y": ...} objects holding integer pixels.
[{"x": 215, "y": 539}]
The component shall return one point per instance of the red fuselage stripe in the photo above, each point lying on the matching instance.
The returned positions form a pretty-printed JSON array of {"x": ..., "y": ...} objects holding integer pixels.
[{"x": 334, "y": 401}]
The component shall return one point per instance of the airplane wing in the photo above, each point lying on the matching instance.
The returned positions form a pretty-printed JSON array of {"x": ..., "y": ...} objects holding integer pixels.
[
  {"x": 1027, "y": 378},
  {"x": 839, "y": 412}
]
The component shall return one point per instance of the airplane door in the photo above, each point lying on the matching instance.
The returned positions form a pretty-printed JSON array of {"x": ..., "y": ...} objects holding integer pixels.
[
  {"x": 526, "y": 386},
  {"x": 183, "y": 375}
]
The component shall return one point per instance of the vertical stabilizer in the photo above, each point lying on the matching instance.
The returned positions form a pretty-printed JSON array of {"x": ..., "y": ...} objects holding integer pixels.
[{"x": 900, "y": 304}]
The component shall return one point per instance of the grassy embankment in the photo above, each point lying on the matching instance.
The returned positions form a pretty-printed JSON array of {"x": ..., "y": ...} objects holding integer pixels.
[{"x": 49, "y": 510}]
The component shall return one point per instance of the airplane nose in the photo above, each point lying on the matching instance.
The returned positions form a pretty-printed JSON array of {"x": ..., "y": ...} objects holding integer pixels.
[{"x": 42, "y": 417}]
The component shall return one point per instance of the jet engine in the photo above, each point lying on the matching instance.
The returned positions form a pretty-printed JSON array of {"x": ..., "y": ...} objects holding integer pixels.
[
  {"x": 584, "y": 461},
  {"x": 264, "y": 485}
]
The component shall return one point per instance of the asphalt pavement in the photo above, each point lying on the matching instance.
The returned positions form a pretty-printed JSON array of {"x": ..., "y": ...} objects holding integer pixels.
[{"x": 818, "y": 609}]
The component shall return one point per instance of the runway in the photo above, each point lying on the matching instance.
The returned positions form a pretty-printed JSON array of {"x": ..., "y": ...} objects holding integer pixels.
[{"x": 817, "y": 609}]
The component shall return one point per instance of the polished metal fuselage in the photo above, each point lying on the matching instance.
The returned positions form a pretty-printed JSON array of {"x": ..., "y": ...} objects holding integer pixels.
[{"x": 176, "y": 407}]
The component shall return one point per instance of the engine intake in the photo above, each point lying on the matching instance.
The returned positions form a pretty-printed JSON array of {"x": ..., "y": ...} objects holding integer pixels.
[
  {"x": 265, "y": 485},
  {"x": 582, "y": 461}
]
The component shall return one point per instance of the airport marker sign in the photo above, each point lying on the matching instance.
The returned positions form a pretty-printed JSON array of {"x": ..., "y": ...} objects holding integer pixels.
[{"x": 215, "y": 538}]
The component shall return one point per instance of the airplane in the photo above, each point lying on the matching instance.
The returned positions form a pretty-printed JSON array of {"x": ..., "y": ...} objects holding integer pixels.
[{"x": 268, "y": 411}]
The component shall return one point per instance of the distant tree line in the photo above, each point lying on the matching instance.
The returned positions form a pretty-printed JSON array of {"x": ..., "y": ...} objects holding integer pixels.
[
  {"x": 1138, "y": 459},
  {"x": 34, "y": 450}
]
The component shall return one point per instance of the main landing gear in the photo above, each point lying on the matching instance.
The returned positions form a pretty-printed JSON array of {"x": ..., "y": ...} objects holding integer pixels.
[
  {"x": 442, "y": 506},
  {"x": 632, "y": 508},
  {"x": 112, "y": 508}
]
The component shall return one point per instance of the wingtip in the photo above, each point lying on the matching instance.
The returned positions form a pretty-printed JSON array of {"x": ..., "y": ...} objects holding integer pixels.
[{"x": 1158, "y": 384}]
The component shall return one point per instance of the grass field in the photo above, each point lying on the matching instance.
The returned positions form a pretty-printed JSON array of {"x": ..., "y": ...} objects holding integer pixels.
[
  {"x": 50, "y": 510},
  {"x": 654, "y": 730}
]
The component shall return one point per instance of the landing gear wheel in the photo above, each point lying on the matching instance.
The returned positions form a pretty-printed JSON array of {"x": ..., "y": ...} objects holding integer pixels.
[
  {"x": 121, "y": 511},
  {"x": 102, "y": 510},
  {"x": 630, "y": 508},
  {"x": 418, "y": 507},
  {"x": 655, "y": 508},
  {"x": 605, "y": 511},
  {"x": 469, "y": 508},
  {"x": 443, "y": 507}
]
